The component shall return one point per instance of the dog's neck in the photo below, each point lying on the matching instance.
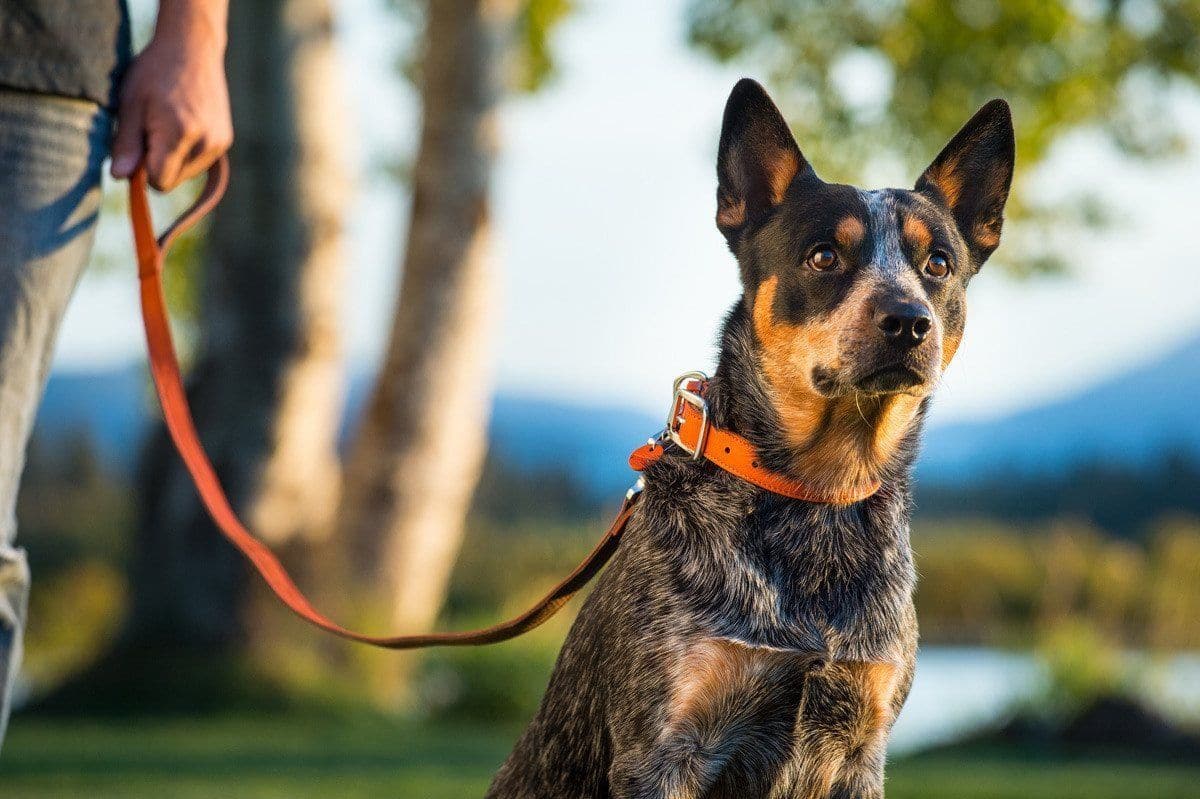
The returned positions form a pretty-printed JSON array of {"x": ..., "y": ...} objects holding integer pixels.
[{"x": 840, "y": 444}]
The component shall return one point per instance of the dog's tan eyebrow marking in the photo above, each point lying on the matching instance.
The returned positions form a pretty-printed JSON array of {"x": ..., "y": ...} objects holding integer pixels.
[
  {"x": 849, "y": 232},
  {"x": 917, "y": 233}
]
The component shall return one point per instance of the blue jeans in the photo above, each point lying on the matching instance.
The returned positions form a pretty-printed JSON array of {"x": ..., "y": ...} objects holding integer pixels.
[{"x": 51, "y": 152}]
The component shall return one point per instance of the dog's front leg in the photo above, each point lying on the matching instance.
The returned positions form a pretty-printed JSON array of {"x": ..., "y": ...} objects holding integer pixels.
[
  {"x": 679, "y": 766},
  {"x": 842, "y": 728},
  {"x": 863, "y": 780}
]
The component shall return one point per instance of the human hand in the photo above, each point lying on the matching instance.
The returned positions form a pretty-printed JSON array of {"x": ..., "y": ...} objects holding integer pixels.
[{"x": 174, "y": 102}]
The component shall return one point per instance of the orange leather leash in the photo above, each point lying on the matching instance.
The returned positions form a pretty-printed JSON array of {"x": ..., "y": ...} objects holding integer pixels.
[
  {"x": 168, "y": 383},
  {"x": 688, "y": 426}
]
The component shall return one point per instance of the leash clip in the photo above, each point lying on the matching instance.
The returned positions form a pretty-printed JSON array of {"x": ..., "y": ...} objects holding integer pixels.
[
  {"x": 681, "y": 393},
  {"x": 635, "y": 489}
]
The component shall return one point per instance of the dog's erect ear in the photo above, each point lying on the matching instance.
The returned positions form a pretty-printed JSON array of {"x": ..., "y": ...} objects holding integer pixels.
[
  {"x": 756, "y": 161},
  {"x": 972, "y": 175}
]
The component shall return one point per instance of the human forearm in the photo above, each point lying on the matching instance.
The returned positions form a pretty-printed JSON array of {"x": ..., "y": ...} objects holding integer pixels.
[{"x": 193, "y": 24}]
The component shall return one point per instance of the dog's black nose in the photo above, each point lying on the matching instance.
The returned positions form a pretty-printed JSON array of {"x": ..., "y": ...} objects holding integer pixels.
[{"x": 903, "y": 322}]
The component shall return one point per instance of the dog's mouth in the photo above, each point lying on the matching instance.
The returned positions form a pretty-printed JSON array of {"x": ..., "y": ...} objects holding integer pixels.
[{"x": 891, "y": 379}]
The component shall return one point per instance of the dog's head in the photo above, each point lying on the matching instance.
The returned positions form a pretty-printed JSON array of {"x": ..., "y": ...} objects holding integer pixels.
[
  {"x": 854, "y": 292},
  {"x": 857, "y": 292}
]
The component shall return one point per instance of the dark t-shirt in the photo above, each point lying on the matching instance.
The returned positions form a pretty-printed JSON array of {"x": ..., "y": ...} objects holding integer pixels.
[{"x": 70, "y": 48}]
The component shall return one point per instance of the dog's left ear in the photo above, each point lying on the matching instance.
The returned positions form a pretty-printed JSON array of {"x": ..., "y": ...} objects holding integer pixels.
[
  {"x": 972, "y": 176},
  {"x": 756, "y": 160}
]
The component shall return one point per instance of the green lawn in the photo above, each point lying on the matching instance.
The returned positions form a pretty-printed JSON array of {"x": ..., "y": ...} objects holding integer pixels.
[{"x": 291, "y": 758}]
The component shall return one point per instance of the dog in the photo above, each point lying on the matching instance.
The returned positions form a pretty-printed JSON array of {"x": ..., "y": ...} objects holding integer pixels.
[{"x": 741, "y": 643}]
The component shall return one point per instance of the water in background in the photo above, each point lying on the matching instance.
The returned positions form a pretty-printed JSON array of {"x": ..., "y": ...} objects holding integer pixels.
[{"x": 960, "y": 690}]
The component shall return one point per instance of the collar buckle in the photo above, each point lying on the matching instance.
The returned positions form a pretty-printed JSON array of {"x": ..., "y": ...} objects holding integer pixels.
[{"x": 687, "y": 390}]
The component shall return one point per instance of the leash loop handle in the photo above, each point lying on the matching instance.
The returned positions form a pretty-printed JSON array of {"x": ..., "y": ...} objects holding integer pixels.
[{"x": 168, "y": 383}]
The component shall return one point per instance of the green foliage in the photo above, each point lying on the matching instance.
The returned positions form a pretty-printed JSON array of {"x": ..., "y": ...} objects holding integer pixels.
[
  {"x": 979, "y": 582},
  {"x": 535, "y": 553},
  {"x": 1081, "y": 667},
  {"x": 533, "y": 61},
  {"x": 74, "y": 517},
  {"x": 509, "y": 495},
  {"x": 1063, "y": 65},
  {"x": 73, "y": 614},
  {"x": 500, "y": 684},
  {"x": 529, "y": 59},
  {"x": 984, "y": 582},
  {"x": 70, "y": 508},
  {"x": 1174, "y": 596}
]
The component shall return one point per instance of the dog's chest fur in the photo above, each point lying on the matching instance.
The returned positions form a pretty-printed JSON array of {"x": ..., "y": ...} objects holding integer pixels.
[{"x": 773, "y": 573}]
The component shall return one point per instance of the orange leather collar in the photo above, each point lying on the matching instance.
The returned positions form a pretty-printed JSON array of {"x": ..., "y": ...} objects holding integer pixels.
[{"x": 689, "y": 427}]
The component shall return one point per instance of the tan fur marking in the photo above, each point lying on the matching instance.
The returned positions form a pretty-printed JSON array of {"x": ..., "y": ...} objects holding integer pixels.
[
  {"x": 950, "y": 344},
  {"x": 848, "y": 453},
  {"x": 781, "y": 168},
  {"x": 986, "y": 234},
  {"x": 789, "y": 354},
  {"x": 874, "y": 686},
  {"x": 820, "y": 767},
  {"x": 877, "y": 682},
  {"x": 917, "y": 233},
  {"x": 715, "y": 667},
  {"x": 948, "y": 180},
  {"x": 849, "y": 232},
  {"x": 896, "y": 413}
]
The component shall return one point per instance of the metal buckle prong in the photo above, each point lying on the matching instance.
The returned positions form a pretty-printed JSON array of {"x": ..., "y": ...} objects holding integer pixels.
[{"x": 675, "y": 417}]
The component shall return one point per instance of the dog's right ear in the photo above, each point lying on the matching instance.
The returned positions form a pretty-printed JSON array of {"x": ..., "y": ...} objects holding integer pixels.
[{"x": 756, "y": 160}]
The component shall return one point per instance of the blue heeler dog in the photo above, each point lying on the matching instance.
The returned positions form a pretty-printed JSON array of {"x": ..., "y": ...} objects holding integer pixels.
[{"x": 741, "y": 643}]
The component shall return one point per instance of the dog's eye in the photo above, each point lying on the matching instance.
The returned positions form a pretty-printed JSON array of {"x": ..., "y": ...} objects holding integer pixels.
[
  {"x": 937, "y": 265},
  {"x": 822, "y": 259}
]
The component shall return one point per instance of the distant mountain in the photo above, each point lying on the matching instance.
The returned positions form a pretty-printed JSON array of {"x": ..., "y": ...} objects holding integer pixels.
[
  {"x": 115, "y": 407},
  {"x": 109, "y": 405},
  {"x": 1131, "y": 419}
]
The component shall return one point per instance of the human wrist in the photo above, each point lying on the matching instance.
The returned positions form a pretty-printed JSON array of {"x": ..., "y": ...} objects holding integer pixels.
[{"x": 192, "y": 26}]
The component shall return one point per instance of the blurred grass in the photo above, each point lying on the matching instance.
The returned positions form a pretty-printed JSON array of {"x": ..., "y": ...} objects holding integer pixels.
[
  {"x": 312, "y": 756},
  {"x": 283, "y": 756}
]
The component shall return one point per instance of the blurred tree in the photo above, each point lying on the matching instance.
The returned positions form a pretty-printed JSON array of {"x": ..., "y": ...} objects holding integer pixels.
[
  {"x": 417, "y": 454},
  {"x": 1174, "y": 594},
  {"x": 266, "y": 379},
  {"x": 872, "y": 86}
]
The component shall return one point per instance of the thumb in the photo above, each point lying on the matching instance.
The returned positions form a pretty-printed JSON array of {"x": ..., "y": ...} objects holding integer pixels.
[{"x": 129, "y": 143}]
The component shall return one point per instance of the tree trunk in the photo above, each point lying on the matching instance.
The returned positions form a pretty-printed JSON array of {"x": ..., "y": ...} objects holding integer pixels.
[
  {"x": 266, "y": 388},
  {"x": 418, "y": 451}
]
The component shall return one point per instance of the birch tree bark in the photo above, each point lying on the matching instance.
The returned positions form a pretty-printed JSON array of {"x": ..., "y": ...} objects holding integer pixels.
[{"x": 417, "y": 454}]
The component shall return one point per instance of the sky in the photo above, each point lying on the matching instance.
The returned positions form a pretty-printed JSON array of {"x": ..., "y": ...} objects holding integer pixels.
[{"x": 611, "y": 277}]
